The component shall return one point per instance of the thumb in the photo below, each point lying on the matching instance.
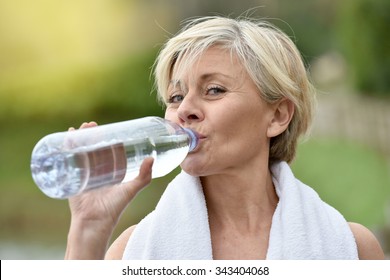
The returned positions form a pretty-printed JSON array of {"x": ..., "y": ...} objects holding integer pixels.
[{"x": 142, "y": 180}]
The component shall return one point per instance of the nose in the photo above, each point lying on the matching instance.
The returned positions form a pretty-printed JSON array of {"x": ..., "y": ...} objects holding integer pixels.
[{"x": 190, "y": 109}]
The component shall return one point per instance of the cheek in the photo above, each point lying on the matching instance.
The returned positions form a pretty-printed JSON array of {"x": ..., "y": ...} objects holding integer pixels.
[
  {"x": 171, "y": 115},
  {"x": 245, "y": 130}
]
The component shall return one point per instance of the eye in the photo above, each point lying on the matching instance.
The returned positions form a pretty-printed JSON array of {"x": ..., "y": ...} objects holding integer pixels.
[
  {"x": 215, "y": 90},
  {"x": 175, "y": 98}
]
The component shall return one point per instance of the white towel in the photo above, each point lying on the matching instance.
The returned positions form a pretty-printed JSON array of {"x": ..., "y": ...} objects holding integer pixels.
[
  {"x": 177, "y": 229},
  {"x": 303, "y": 226}
]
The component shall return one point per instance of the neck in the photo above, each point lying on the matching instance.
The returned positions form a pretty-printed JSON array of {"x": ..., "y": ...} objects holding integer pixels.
[{"x": 244, "y": 201}]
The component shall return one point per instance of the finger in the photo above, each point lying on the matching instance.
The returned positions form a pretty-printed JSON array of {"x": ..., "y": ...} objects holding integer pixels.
[
  {"x": 69, "y": 143},
  {"x": 142, "y": 180},
  {"x": 88, "y": 124},
  {"x": 145, "y": 172}
]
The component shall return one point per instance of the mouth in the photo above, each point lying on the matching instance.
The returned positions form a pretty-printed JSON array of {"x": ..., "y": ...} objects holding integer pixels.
[
  {"x": 199, "y": 135},
  {"x": 200, "y": 138}
]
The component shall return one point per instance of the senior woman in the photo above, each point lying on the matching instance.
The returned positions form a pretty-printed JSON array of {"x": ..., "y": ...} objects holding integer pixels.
[{"x": 242, "y": 86}]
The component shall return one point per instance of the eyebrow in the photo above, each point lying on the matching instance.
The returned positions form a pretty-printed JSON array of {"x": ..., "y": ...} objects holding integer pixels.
[
  {"x": 176, "y": 83},
  {"x": 203, "y": 77},
  {"x": 208, "y": 76}
]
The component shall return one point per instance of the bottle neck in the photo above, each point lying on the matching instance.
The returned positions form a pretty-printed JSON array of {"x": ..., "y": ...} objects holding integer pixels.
[{"x": 193, "y": 138}]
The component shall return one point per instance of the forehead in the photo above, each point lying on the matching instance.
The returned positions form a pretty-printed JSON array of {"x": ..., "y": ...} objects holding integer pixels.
[{"x": 214, "y": 60}]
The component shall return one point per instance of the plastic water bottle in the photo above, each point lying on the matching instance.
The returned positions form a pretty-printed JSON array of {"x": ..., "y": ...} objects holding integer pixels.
[{"x": 68, "y": 163}]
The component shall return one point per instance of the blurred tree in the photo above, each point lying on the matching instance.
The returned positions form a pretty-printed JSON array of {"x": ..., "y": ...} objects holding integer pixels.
[
  {"x": 67, "y": 59},
  {"x": 363, "y": 34},
  {"x": 127, "y": 92},
  {"x": 309, "y": 22}
]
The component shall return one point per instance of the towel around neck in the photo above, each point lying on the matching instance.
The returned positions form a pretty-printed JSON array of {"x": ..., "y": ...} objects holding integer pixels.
[{"x": 303, "y": 226}]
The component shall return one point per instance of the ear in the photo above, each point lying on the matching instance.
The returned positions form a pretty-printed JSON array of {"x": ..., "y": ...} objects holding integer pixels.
[{"x": 283, "y": 112}]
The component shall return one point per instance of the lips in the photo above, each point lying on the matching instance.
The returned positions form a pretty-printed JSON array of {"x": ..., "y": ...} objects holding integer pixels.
[{"x": 199, "y": 136}]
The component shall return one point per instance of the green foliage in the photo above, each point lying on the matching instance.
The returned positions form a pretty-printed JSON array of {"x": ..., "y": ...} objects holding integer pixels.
[
  {"x": 351, "y": 178},
  {"x": 309, "y": 23},
  {"x": 129, "y": 91},
  {"x": 363, "y": 33},
  {"x": 117, "y": 91}
]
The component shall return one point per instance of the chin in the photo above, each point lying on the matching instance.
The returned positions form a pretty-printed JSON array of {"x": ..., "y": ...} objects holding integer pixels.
[
  {"x": 190, "y": 171},
  {"x": 192, "y": 168}
]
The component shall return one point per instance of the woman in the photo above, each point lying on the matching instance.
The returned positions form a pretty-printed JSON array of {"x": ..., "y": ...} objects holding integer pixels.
[{"x": 242, "y": 86}]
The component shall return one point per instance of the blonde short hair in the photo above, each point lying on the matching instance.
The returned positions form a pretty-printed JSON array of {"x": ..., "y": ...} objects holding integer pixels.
[{"x": 270, "y": 57}]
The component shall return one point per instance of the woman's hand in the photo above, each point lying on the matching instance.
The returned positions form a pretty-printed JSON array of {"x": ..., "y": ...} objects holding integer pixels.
[{"x": 95, "y": 213}]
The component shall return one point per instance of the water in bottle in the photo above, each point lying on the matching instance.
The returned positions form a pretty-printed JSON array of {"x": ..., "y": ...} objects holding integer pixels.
[{"x": 67, "y": 163}]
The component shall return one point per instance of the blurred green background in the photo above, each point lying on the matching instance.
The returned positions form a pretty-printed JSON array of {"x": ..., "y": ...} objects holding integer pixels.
[{"x": 63, "y": 62}]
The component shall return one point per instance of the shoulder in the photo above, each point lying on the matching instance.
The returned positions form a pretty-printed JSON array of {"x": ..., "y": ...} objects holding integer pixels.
[
  {"x": 115, "y": 252},
  {"x": 367, "y": 244}
]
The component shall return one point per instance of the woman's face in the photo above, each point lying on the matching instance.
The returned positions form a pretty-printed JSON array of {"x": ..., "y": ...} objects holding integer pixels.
[{"x": 217, "y": 99}]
